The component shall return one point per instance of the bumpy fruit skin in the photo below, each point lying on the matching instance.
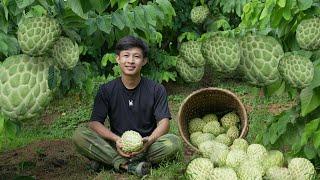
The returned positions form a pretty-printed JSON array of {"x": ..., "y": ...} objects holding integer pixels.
[
  {"x": 210, "y": 117},
  {"x": 199, "y": 14},
  {"x": 235, "y": 157},
  {"x": 196, "y": 124},
  {"x": 221, "y": 53},
  {"x": 24, "y": 91},
  {"x": 189, "y": 73},
  {"x": 203, "y": 138},
  {"x": 240, "y": 144},
  {"x": 132, "y": 141},
  {"x": 223, "y": 138},
  {"x": 278, "y": 173},
  {"x": 199, "y": 168},
  {"x": 191, "y": 53},
  {"x": 37, "y": 34},
  {"x": 194, "y": 136},
  {"x": 297, "y": 70},
  {"x": 213, "y": 127},
  {"x": 301, "y": 168},
  {"x": 212, "y": 147},
  {"x": 274, "y": 158},
  {"x": 257, "y": 152},
  {"x": 224, "y": 173},
  {"x": 65, "y": 53},
  {"x": 250, "y": 170},
  {"x": 308, "y": 34},
  {"x": 233, "y": 132},
  {"x": 260, "y": 56},
  {"x": 229, "y": 119}
]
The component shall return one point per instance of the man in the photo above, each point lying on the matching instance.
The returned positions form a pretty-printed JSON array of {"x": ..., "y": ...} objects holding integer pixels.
[{"x": 131, "y": 102}]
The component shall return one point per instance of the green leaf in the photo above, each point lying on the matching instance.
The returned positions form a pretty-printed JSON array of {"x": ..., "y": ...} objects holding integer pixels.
[
  {"x": 304, "y": 4},
  {"x": 8, "y": 45},
  {"x": 76, "y": 7},
  {"x": 104, "y": 23},
  {"x": 276, "y": 88},
  {"x": 310, "y": 151},
  {"x": 117, "y": 20},
  {"x": 100, "y": 6},
  {"x": 310, "y": 100},
  {"x": 281, "y": 3},
  {"x": 11, "y": 128},
  {"x": 287, "y": 13},
  {"x": 24, "y": 3},
  {"x": 316, "y": 139},
  {"x": 109, "y": 57},
  {"x": 308, "y": 131}
]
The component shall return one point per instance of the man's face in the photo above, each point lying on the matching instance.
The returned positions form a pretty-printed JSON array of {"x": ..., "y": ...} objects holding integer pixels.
[{"x": 131, "y": 61}]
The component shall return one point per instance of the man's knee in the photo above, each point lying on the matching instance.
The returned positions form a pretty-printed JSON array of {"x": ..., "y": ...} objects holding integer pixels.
[{"x": 172, "y": 143}]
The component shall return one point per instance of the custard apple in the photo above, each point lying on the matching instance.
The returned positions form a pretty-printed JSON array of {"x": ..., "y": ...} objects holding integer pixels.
[
  {"x": 274, "y": 158},
  {"x": 308, "y": 34},
  {"x": 221, "y": 53},
  {"x": 65, "y": 53},
  {"x": 210, "y": 117},
  {"x": 194, "y": 136},
  {"x": 189, "y": 73},
  {"x": 257, "y": 152},
  {"x": 213, "y": 127},
  {"x": 250, "y": 170},
  {"x": 199, "y": 168},
  {"x": 229, "y": 119},
  {"x": 196, "y": 124},
  {"x": 203, "y": 138},
  {"x": 36, "y": 35},
  {"x": 24, "y": 90},
  {"x": 297, "y": 70},
  {"x": 260, "y": 56},
  {"x": 301, "y": 168},
  {"x": 223, "y": 138},
  {"x": 219, "y": 157},
  {"x": 233, "y": 132},
  {"x": 199, "y": 14},
  {"x": 223, "y": 173},
  {"x": 235, "y": 157},
  {"x": 240, "y": 144},
  {"x": 212, "y": 147},
  {"x": 131, "y": 141},
  {"x": 278, "y": 173},
  {"x": 191, "y": 53}
]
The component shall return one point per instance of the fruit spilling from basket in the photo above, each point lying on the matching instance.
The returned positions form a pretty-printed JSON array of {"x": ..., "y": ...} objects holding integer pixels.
[{"x": 226, "y": 156}]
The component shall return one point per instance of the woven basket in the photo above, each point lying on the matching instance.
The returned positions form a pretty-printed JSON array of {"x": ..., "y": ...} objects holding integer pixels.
[{"x": 209, "y": 100}]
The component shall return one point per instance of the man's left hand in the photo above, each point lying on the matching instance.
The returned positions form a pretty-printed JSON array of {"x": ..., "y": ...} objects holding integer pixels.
[{"x": 147, "y": 141}]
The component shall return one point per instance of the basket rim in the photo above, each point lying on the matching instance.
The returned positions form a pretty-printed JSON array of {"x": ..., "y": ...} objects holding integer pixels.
[{"x": 245, "y": 127}]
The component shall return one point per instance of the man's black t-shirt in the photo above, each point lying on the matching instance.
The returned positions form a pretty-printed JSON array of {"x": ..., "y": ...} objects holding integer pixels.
[{"x": 137, "y": 109}]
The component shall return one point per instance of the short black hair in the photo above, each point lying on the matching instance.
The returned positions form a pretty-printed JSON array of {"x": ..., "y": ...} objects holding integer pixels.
[{"x": 129, "y": 42}]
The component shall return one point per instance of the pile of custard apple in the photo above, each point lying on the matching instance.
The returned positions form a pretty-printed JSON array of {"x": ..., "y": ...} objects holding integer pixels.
[{"x": 226, "y": 156}]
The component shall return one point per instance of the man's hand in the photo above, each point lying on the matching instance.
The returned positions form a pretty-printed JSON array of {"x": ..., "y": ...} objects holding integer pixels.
[
  {"x": 147, "y": 141},
  {"x": 119, "y": 146}
]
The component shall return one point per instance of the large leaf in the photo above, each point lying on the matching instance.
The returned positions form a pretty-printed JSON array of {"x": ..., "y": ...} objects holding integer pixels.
[
  {"x": 8, "y": 45},
  {"x": 117, "y": 20},
  {"x": 24, "y": 3},
  {"x": 309, "y": 130},
  {"x": 304, "y": 4},
  {"x": 104, "y": 23},
  {"x": 310, "y": 96},
  {"x": 76, "y": 7},
  {"x": 316, "y": 139},
  {"x": 100, "y": 6}
]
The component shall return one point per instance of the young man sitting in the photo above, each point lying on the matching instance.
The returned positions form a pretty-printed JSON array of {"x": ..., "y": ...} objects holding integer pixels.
[{"x": 131, "y": 102}]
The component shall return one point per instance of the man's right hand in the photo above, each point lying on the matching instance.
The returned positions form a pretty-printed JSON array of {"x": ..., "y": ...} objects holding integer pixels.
[{"x": 119, "y": 146}]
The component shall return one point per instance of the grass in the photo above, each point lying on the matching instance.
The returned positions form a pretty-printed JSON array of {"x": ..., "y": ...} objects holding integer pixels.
[{"x": 63, "y": 115}]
